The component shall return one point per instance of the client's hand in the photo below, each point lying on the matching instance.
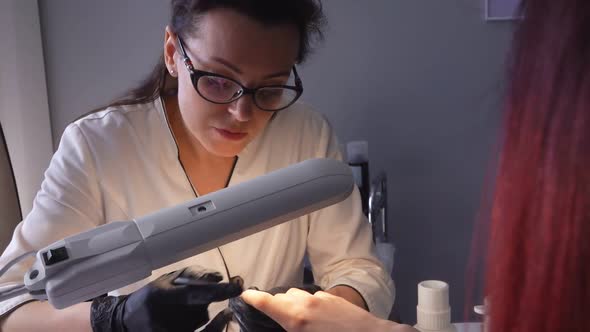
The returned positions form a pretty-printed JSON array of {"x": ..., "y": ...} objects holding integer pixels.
[
  {"x": 251, "y": 319},
  {"x": 300, "y": 311},
  {"x": 176, "y": 301}
]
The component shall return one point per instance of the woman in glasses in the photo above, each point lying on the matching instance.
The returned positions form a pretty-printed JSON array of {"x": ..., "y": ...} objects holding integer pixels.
[{"x": 219, "y": 109}]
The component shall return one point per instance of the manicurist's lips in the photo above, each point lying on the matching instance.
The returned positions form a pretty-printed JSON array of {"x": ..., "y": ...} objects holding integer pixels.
[{"x": 231, "y": 135}]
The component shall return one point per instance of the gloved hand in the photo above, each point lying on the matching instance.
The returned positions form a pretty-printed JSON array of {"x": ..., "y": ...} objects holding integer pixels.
[
  {"x": 176, "y": 301},
  {"x": 251, "y": 319}
]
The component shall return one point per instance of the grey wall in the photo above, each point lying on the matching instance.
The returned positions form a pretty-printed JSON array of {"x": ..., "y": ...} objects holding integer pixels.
[
  {"x": 96, "y": 50},
  {"x": 420, "y": 80}
]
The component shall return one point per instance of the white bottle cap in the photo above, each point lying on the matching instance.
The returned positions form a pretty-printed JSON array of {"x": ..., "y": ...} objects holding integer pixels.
[{"x": 433, "y": 310}]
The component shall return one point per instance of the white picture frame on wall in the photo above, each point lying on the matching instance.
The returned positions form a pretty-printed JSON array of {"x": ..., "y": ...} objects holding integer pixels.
[{"x": 501, "y": 10}]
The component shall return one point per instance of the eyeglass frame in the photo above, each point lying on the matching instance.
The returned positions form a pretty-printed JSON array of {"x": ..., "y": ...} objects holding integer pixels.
[{"x": 196, "y": 74}]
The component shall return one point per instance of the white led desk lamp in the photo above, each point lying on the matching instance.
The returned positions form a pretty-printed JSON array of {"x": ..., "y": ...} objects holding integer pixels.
[{"x": 88, "y": 264}]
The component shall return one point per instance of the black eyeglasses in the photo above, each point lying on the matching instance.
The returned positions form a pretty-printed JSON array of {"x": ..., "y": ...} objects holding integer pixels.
[{"x": 219, "y": 89}]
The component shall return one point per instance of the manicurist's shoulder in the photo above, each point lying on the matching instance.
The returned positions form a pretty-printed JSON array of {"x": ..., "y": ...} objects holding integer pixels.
[
  {"x": 120, "y": 132},
  {"x": 113, "y": 120},
  {"x": 299, "y": 133},
  {"x": 301, "y": 119},
  {"x": 139, "y": 124}
]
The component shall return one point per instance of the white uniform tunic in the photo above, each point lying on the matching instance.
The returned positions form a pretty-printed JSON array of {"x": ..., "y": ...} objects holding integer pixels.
[{"x": 122, "y": 163}]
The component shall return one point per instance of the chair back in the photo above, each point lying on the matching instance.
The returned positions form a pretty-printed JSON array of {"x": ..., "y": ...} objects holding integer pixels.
[{"x": 10, "y": 210}]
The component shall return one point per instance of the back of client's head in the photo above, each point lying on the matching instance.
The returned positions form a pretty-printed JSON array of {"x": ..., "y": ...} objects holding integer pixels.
[{"x": 539, "y": 260}]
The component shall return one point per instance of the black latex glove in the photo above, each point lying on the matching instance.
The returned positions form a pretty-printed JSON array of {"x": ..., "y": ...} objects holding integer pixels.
[
  {"x": 176, "y": 302},
  {"x": 251, "y": 319}
]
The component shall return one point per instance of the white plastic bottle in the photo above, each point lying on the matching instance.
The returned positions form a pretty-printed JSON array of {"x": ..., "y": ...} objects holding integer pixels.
[{"x": 433, "y": 311}]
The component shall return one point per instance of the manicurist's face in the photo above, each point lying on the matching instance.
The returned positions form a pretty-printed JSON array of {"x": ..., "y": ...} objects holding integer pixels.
[{"x": 233, "y": 45}]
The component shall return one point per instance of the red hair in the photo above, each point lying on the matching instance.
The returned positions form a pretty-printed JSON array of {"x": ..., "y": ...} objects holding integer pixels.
[{"x": 538, "y": 276}]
